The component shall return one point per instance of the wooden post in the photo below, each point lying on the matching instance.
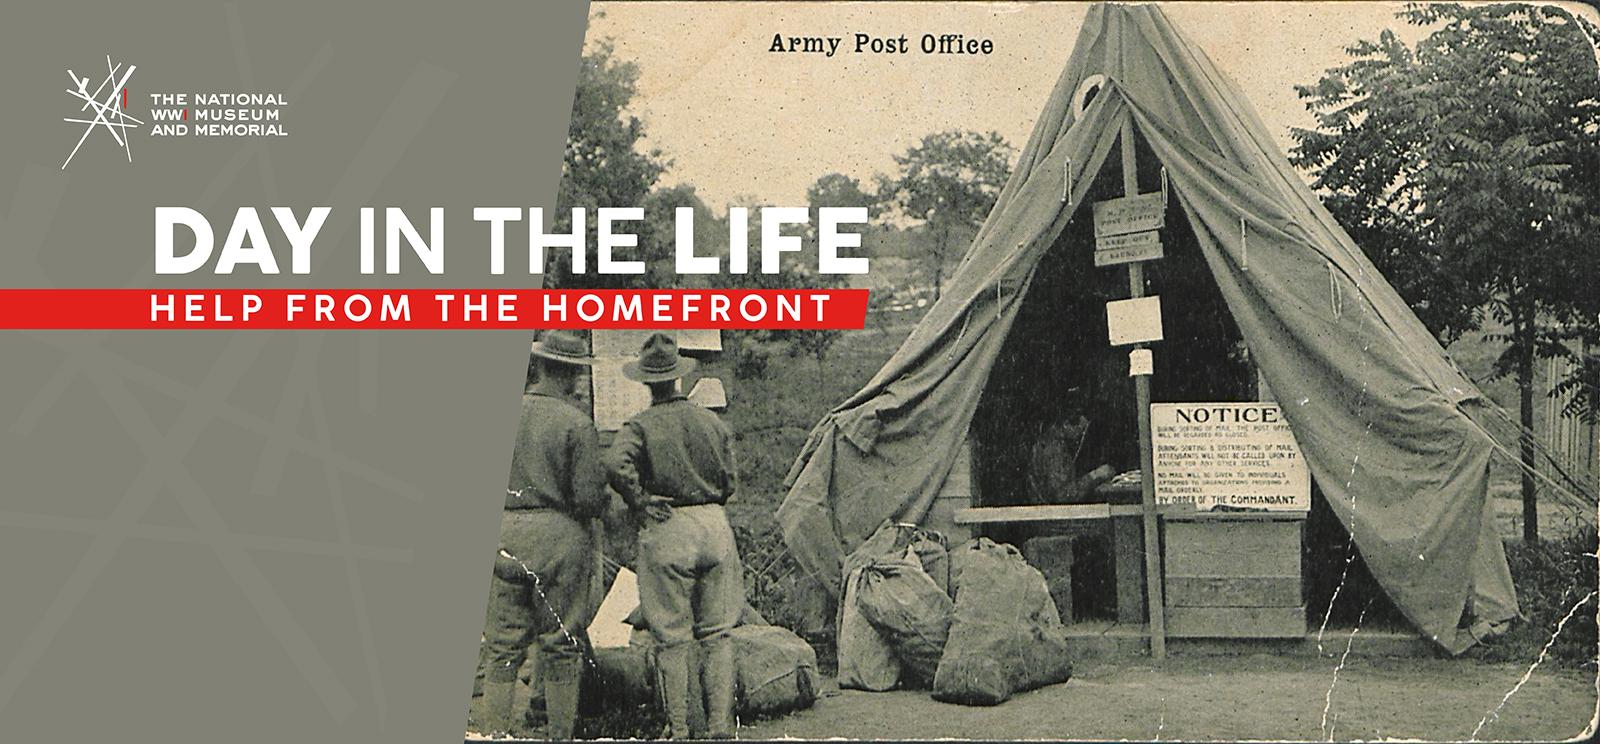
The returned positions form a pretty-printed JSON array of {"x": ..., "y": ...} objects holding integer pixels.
[{"x": 1147, "y": 476}]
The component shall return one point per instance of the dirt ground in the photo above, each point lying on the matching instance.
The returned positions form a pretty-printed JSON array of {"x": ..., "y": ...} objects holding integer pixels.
[{"x": 1230, "y": 698}]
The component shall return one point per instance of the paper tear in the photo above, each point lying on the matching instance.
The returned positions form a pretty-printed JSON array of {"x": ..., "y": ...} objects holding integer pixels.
[
  {"x": 1350, "y": 545},
  {"x": 1494, "y": 715},
  {"x": 1327, "y": 707},
  {"x": 546, "y": 600}
]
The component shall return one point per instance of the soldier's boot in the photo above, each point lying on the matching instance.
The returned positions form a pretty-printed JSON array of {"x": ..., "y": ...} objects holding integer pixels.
[
  {"x": 672, "y": 673},
  {"x": 561, "y": 676},
  {"x": 497, "y": 706},
  {"x": 718, "y": 679}
]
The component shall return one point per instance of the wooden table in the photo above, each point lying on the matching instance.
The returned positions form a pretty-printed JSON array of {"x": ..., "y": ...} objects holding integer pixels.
[{"x": 1121, "y": 509}]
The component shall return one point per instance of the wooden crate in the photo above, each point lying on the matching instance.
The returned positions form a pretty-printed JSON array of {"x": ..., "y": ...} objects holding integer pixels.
[
  {"x": 955, "y": 494},
  {"x": 1233, "y": 591},
  {"x": 1053, "y": 556},
  {"x": 1234, "y": 576},
  {"x": 1236, "y": 622}
]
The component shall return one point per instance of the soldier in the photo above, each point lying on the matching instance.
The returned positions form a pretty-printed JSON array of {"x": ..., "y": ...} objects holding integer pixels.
[
  {"x": 546, "y": 578},
  {"x": 673, "y": 464}
]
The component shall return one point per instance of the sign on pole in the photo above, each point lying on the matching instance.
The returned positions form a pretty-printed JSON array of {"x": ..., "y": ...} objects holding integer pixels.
[
  {"x": 1134, "y": 321},
  {"x": 1111, "y": 250},
  {"x": 1129, "y": 214},
  {"x": 1141, "y": 362},
  {"x": 1239, "y": 455}
]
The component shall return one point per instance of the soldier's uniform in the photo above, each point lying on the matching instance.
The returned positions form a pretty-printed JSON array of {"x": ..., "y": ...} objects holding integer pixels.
[
  {"x": 691, "y": 583},
  {"x": 546, "y": 585}
]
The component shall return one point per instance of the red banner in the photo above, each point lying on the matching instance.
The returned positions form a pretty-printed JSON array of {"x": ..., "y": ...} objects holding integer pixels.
[{"x": 486, "y": 309}]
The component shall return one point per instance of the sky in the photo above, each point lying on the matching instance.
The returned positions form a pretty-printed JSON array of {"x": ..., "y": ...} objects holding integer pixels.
[{"x": 738, "y": 121}]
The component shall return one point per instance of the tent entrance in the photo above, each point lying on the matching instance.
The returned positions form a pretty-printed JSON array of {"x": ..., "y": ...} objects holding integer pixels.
[
  {"x": 1056, "y": 364},
  {"x": 1058, "y": 402}
]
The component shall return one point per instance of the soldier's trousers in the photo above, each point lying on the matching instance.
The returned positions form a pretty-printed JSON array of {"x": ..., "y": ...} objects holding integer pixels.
[
  {"x": 691, "y": 588},
  {"x": 554, "y": 607}
]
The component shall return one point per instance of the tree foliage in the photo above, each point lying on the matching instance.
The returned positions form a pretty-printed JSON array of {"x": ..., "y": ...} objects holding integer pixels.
[
  {"x": 1467, "y": 168},
  {"x": 839, "y": 190},
  {"x": 754, "y": 349},
  {"x": 604, "y": 164},
  {"x": 948, "y": 182}
]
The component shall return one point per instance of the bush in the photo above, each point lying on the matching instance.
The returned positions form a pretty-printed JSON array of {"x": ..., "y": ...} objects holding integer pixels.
[
  {"x": 1551, "y": 577},
  {"x": 747, "y": 358},
  {"x": 774, "y": 582}
]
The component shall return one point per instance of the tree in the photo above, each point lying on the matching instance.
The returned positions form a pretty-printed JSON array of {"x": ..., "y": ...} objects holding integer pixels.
[
  {"x": 751, "y": 350},
  {"x": 604, "y": 165},
  {"x": 839, "y": 190},
  {"x": 831, "y": 190},
  {"x": 658, "y": 234},
  {"x": 1468, "y": 169},
  {"x": 948, "y": 182}
]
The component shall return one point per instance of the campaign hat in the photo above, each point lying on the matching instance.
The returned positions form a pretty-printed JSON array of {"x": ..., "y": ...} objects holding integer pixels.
[
  {"x": 658, "y": 361},
  {"x": 563, "y": 346}
]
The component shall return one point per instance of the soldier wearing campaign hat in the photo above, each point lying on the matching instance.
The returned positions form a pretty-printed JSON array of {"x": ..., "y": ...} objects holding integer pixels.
[
  {"x": 546, "y": 580},
  {"x": 674, "y": 465}
]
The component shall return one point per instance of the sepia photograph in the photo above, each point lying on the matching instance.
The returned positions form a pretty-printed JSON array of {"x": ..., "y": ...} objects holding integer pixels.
[{"x": 1230, "y": 371}]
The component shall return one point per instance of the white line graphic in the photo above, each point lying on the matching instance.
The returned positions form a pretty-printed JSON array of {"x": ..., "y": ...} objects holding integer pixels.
[{"x": 106, "y": 113}]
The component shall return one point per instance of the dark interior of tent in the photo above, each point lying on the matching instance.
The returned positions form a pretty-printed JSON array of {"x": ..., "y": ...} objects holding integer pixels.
[{"x": 1059, "y": 402}]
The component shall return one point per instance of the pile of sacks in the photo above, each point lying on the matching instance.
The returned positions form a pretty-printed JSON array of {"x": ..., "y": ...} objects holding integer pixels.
[{"x": 975, "y": 625}]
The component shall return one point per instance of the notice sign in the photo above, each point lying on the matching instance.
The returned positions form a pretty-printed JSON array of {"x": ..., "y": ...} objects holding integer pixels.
[
  {"x": 1238, "y": 455},
  {"x": 1129, "y": 214},
  {"x": 1120, "y": 249},
  {"x": 626, "y": 343},
  {"x": 616, "y": 398}
]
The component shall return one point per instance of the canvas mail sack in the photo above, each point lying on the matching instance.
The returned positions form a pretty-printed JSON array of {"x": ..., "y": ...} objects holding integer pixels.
[
  {"x": 911, "y": 613},
  {"x": 776, "y": 670},
  {"x": 1007, "y": 636},
  {"x": 896, "y": 609}
]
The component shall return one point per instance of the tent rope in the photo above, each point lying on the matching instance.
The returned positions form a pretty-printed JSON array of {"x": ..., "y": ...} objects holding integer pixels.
[
  {"x": 1559, "y": 489},
  {"x": 966, "y": 318},
  {"x": 1582, "y": 491}
]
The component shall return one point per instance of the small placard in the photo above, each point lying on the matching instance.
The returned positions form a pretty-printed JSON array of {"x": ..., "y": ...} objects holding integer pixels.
[
  {"x": 709, "y": 393},
  {"x": 1141, "y": 362},
  {"x": 700, "y": 339},
  {"x": 1127, "y": 248},
  {"x": 1134, "y": 321},
  {"x": 1129, "y": 214}
]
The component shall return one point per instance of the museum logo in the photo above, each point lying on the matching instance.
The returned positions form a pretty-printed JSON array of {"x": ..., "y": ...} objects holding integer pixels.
[{"x": 172, "y": 115}]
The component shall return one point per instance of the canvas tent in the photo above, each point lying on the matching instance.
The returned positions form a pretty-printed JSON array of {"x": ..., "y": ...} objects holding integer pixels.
[{"x": 1384, "y": 418}]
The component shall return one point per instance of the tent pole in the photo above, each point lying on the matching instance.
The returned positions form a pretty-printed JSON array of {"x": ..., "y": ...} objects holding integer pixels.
[{"x": 1152, "y": 535}]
